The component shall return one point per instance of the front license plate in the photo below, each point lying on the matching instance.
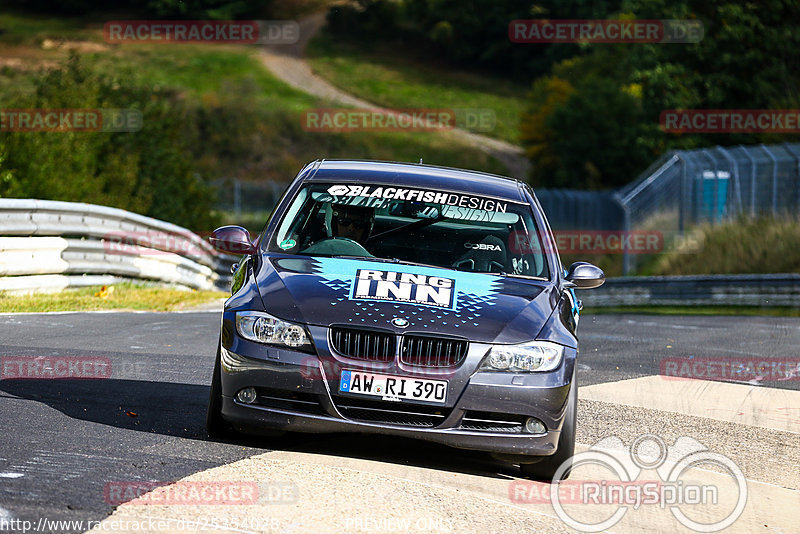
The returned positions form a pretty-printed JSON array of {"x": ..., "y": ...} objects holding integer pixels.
[{"x": 390, "y": 387}]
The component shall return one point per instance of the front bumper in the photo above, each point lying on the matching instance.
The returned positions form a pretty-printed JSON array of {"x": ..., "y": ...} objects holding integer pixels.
[{"x": 299, "y": 392}]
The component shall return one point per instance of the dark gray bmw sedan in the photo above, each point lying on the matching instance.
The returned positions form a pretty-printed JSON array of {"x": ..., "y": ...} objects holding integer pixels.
[{"x": 408, "y": 300}]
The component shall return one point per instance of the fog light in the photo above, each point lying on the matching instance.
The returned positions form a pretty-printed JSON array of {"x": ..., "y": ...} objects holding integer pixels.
[
  {"x": 534, "y": 426},
  {"x": 246, "y": 395}
]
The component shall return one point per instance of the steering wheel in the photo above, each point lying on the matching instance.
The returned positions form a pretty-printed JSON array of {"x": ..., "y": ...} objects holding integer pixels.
[{"x": 338, "y": 246}]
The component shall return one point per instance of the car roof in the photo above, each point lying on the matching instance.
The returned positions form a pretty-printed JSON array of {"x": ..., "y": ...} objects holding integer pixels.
[{"x": 415, "y": 175}]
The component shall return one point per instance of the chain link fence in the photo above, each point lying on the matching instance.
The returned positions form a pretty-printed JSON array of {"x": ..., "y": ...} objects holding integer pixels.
[
  {"x": 240, "y": 197},
  {"x": 709, "y": 185},
  {"x": 569, "y": 209},
  {"x": 713, "y": 184}
]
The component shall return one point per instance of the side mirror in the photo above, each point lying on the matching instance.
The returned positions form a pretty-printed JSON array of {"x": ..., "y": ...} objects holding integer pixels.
[
  {"x": 583, "y": 275},
  {"x": 232, "y": 240}
]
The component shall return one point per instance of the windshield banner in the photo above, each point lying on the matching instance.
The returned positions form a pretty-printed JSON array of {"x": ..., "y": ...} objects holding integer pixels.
[{"x": 418, "y": 195}]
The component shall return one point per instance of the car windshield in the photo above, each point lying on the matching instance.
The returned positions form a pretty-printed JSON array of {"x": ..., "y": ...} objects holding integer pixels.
[{"x": 442, "y": 229}]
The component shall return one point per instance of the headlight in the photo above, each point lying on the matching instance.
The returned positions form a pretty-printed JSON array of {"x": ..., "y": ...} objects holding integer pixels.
[
  {"x": 524, "y": 357},
  {"x": 264, "y": 328}
]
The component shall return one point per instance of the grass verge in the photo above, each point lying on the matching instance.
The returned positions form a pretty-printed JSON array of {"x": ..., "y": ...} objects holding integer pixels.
[
  {"x": 220, "y": 76},
  {"x": 740, "y": 246},
  {"x": 397, "y": 82},
  {"x": 765, "y": 245},
  {"x": 124, "y": 296}
]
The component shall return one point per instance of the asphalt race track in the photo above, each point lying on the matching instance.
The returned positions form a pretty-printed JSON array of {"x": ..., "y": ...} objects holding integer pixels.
[{"x": 64, "y": 441}]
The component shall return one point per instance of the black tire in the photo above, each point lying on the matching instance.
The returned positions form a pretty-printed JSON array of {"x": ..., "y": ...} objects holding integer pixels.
[
  {"x": 545, "y": 469},
  {"x": 216, "y": 426}
]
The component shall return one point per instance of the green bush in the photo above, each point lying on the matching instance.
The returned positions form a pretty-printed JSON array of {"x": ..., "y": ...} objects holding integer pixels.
[
  {"x": 206, "y": 9},
  {"x": 740, "y": 246},
  {"x": 153, "y": 9},
  {"x": 145, "y": 171},
  {"x": 470, "y": 33},
  {"x": 606, "y": 130}
]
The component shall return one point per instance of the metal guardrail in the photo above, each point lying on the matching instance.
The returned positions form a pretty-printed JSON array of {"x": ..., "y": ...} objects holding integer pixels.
[
  {"x": 49, "y": 245},
  {"x": 765, "y": 290}
]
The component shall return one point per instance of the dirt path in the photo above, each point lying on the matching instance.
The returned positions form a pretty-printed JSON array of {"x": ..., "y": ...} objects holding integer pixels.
[{"x": 288, "y": 63}]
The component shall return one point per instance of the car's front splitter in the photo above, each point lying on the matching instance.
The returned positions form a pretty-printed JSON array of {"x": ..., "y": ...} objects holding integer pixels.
[{"x": 253, "y": 418}]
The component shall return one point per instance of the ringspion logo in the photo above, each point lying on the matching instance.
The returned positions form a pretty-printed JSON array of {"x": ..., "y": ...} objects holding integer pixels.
[{"x": 648, "y": 473}]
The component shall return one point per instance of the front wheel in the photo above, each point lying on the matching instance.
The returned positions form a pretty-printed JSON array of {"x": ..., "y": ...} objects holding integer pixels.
[
  {"x": 216, "y": 426},
  {"x": 545, "y": 469}
]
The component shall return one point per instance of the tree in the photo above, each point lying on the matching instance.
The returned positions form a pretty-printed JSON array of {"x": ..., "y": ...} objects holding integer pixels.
[
  {"x": 146, "y": 171},
  {"x": 607, "y": 131}
]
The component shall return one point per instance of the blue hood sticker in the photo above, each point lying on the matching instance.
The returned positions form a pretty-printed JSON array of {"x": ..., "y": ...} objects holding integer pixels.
[{"x": 456, "y": 297}]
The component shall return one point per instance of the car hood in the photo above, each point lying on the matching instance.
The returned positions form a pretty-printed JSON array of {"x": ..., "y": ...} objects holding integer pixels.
[{"x": 404, "y": 298}]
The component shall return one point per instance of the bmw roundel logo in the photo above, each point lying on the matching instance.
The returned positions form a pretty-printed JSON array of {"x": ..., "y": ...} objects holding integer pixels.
[{"x": 399, "y": 322}]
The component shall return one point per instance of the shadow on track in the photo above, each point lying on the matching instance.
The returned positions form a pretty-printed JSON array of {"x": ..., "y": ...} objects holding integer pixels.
[
  {"x": 154, "y": 407},
  {"x": 173, "y": 409}
]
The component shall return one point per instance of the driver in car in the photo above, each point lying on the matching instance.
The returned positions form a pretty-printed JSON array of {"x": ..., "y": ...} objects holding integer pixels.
[{"x": 352, "y": 222}]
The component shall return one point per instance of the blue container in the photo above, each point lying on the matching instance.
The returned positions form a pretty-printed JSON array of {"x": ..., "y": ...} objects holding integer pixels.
[{"x": 715, "y": 211}]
